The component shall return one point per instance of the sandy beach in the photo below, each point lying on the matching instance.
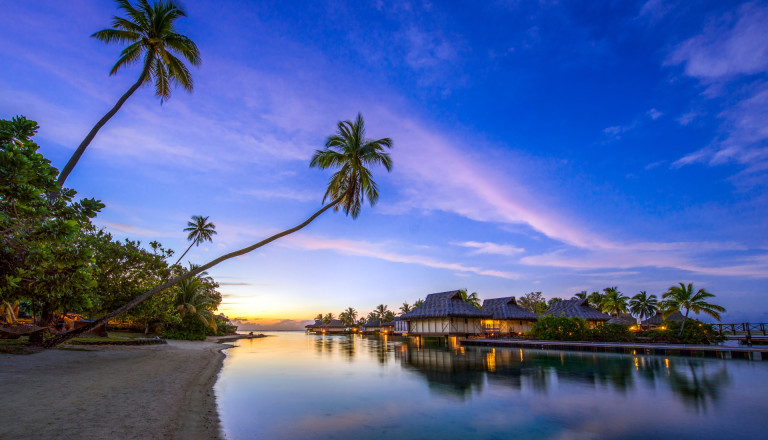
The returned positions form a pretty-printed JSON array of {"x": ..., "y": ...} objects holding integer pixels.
[{"x": 125, "y": 392}]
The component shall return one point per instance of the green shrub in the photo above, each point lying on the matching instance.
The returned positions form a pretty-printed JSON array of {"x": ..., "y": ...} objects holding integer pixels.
[
  {"x": 560, "y": 329},
  {"x": 189, "y": 329},
  {"x": 610, "y": 333},
  {"x": 695, "y": 332},
  {"x": 225, "y": 329}
]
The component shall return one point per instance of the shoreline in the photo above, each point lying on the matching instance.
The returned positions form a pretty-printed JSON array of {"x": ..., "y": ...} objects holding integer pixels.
[{"x": 129, "y": 392}]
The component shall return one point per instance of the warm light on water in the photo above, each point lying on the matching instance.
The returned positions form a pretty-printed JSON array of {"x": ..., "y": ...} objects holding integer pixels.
[{"x": 292, "y": 386}]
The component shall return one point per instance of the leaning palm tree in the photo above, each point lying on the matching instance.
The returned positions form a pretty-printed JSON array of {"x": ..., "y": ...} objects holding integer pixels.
[
  {"x": 151, "y": 33},
  {"x": 472, "y": 299},
  {"x": 614, "y": 302},
  {"x": 405, "y": 308},
  {"x": 679, "y": 298},
  {"x": 200, "y": 230},
  {"x": 350, "y": 186},
  {"x": 381, "y": 311},
  {"x": 643, "y": 306}
]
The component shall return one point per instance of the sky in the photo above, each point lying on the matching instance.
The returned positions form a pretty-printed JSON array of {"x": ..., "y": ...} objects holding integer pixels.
[{"x": 538, "y": 146}]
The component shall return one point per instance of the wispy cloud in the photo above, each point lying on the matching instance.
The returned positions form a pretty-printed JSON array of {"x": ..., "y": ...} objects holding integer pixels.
[
  {"x": 492, "y": 248},
  {"x": 379, "y": 251}
]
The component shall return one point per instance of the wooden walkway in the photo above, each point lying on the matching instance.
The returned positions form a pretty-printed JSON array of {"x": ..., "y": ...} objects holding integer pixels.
[{"x": 718, "y": 351}]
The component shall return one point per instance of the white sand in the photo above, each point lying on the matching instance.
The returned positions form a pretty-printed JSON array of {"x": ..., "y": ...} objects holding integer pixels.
[{"x": 112, "y": 392}]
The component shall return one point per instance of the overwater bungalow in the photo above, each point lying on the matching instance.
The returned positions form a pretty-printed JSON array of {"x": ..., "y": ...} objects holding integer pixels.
[
  {"x": 388, "y": 327},
  {"x": 372, "y": 326},
  {"x": 315, "y": 327},
  {"x": 658, "y": 320},
  {"x": 401, "y": 326},
  {"x": 335, "y": 326},
  {"x": 507, "y": 318},
  {"x": 578, "y": 308},
  {"x": 445, "y": 314}
]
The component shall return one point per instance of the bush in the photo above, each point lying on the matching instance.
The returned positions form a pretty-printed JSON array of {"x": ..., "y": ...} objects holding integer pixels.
[
  {"x": 560, "y": 329},
  {"x": 189, "y": 329},
  {"x": 695, "y": 332},
  {"x": 225, "y": 329},
  {"x": 611, "y": 333}
]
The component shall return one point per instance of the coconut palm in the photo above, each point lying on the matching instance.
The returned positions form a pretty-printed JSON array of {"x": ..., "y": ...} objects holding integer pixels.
[
  {"x": 200, "y": 230},
  {"x": 679, "y": 298},
  {"x": 581, "y": 295},
  {"x": 328, "y": 318},
  {"x": 417, "y": 303},
  {"x": 472, "y": 299},
  {"x": 614, "y": 302},
  {"x": 350, "y": 151},
  {"x": 348, "y": 316},
  {"x": 191, "y": 300},
  {"x": 405, "y": 308},
  {"x": 350, "y": 186},
  {"x": 319, "y": 317},
  {"x": 151, "y": 33},
  {"x": 372, "y": 316},
  {"x": 595, "y": 299},
  {"x": 643, "y": 306},
  {"x": 381, "y": 311}
]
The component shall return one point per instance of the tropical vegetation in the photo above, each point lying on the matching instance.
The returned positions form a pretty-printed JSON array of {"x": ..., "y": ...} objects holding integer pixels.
[{"x": 683, "y": 298}]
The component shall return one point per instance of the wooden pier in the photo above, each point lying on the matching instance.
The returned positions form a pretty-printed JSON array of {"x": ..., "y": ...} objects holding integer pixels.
[{"x": 716, "y": 351}]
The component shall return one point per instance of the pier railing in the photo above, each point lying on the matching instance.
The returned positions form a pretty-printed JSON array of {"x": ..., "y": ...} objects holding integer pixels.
[{"x": 743, "y": 328}]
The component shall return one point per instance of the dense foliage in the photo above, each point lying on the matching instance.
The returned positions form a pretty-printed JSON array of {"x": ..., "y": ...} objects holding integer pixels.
[{"x": 553, "y": 328}]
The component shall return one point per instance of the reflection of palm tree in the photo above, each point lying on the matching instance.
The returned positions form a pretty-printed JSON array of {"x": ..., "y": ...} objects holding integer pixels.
[
  {"x": 697, "y": 388},
  {"x": 682, "y": 297},
  {"x": 200, "y": 230},
  {"x": 152, "y": 34}
]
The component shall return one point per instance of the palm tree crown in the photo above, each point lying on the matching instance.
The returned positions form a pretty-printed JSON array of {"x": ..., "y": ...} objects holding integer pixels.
[
  {"x": 381, "y": 311},
  {"x": 349, "y": 150},
  {"x": 472, "y": 299},
  {"x": 614, "y": 302},
  {"x": 200, "y": 230},
  {"x": 681, "y": 297},
  {"x": 151, "y": 32},
  {"x": 642, "y": 305},
  {"x": 405, "y": 308}
]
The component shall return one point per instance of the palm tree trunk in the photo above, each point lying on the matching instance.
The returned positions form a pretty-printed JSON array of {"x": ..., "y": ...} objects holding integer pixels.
[
  {"x": 685, "y": 318},
  {"x": 146, "y": 295},
  {"x": 83, "y": 145},
  {"x": 185, "y": 252}
]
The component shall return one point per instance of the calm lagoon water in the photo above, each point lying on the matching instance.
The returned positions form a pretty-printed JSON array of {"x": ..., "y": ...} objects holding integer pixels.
[{"x": 295, "y": 386}]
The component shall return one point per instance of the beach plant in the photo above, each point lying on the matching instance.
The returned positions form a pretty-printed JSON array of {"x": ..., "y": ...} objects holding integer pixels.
[
  {"x": 151, "y": 34},
  {"x": 44, "y": 260},
  {"x": 200, "y": 230},
  {"x": 350, "y": 151},
  {"x": 643, "y": 306},
  {"x": 682, "y": 297}
]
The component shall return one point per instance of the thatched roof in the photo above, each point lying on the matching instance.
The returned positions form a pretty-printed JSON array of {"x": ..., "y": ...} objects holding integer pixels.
[
  {"x": 445, "y": 305},
  {"x": 317, "y": 323},
  {"x": 576, "y": 308},
  {"x": 507, "y": 308},
  {"x": 377, "y": 323},
  {"x": 334, "y": 324},
  {"x": 625, "y": 319},
  {"x": 658, "y": 318}
]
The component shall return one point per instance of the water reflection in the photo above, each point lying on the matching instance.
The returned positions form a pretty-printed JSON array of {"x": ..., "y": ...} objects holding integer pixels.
[{"x": 389, "y": 387}]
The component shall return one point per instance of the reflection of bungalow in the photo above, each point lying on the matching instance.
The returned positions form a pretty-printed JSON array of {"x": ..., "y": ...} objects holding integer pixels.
[
  {"x": 577, "y": 308},
  {"x": 445, "y": 314},
  {"x": 657, "y": 319},
  {"x": 401, "y": 326},
  {"x": 507, "y": 317},
  {"x": 316, "y": 327},
  {"x": 335, "y": 326}
]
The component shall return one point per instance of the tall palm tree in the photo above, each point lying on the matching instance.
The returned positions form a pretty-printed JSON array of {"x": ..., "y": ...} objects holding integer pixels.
[
  {"x": 417, "y": 303},
  {"x": 581, "y": 295},
  {"x": 319, "y": 317},
  {"x": 353, "y": 171},
  {"x": 643, "y": 306},
  {"x": 200, "y": 230},
  {"x": 328, "y": 318},
  {"x": 381, "y": 311},
  {"x": 614, "y": 302},
  {"x": 682, "y": 297},
  {"x": 472, "y": 299},
  {"x": 151, "y": 33},
  {"x": 373, "y": 316},
  {"x": 405, "y": 308},
  {"x": 348, "y": 316},
  {"x": 350, "y": 151}
]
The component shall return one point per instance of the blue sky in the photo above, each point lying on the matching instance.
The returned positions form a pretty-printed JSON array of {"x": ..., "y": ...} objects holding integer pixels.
[{"x": 548, "y": 146}]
